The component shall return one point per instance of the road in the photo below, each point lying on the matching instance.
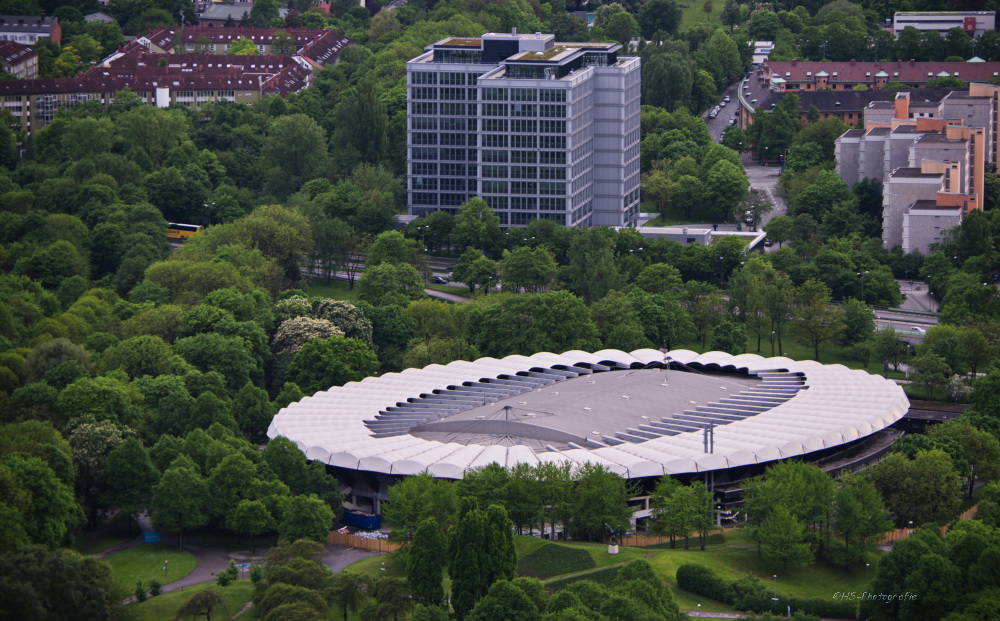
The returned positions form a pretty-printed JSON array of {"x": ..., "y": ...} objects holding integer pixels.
[{"x": 719, "y": 124}]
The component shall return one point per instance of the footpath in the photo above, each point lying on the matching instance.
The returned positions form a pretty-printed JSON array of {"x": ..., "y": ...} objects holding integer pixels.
[{"x": 213, "y": 558}]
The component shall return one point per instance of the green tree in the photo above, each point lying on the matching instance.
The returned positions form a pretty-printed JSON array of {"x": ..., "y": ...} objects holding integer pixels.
[
  {"x": 622, "y": 27},
  {"x": 295, "y": 152},
  {"x": 859, "y": 516},
  {"x": 819, "y": 321},
  {"x": 468, "y": 566},
  {"x": 781, "y": 540},
  {"x": 35, "y": 584},
  {"x": 592, "y": 268},
  {"x": 426, "y": 558},
  {"x": 924, "y": 489},
  {"x": 505, "y": 601},
  {"x": 250, "y": 517},
  {"x": 92, "y": 443},
  {"x": 322, "y": 363},
  {"x": 659, "y": 16},
  {"x": 37, "y": 506},
  {"x": 859, "y": 322},
  {"x": 416, "y": 498},
  {"x": 131, "y": 477},
  {"x": 598, "y": 501},
  {"x": 179, "y": 501},
  {"x": 931, "y": 371},
  {"x": 476, "y": 226},
  {"x": 617, "y": 322},
  {"x": 243, "y": 47},
  {"x": 385, "y": 284},
  {"x": 202, "y": 604},
  {"x": 502, "y": 563},
  {"x": 553, "y": 321},
  {"x": 527, "y": 268},
  {"x": 730, "y": 337},
  {"x": 306, "y": 517},
  {"x": 726, "y": 187}
]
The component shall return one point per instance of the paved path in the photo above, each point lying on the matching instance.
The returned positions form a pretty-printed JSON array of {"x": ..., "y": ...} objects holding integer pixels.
[{"x": 213, "y": 558}]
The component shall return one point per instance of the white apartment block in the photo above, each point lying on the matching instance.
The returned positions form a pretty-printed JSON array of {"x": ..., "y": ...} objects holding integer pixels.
[{"x": 537, "y": 129}]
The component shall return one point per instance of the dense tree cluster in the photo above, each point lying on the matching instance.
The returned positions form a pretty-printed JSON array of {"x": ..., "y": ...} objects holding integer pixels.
[{"x": 583, "y": 503}]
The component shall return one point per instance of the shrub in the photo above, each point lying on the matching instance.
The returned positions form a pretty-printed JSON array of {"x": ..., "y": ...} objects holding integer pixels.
[
  {"x": 227, "y": 575},
  {"x": 703, "y": 581},
  {"x": 140, "y": 591},
  {"x": 554, "y": 560},
  {"x": 155, "y": 588}
]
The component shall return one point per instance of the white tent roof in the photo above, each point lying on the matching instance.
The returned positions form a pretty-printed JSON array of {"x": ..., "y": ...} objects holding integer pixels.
[{"x": 838, "y": 405}]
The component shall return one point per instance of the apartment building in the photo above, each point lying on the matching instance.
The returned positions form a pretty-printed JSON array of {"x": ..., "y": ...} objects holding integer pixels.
[
  {"x": 28, "y": 29},
  {"x": 18, "y": 60},
  {"x": 536, "y": 128},
  {"x": 930, "y": 159}
]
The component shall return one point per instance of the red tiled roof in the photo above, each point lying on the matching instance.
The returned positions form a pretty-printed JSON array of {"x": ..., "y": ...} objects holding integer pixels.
[
  {"x": 289, "y": 80},
  {"x": 112, "y": 83},
  {"x": 325, "y": 49},
  {"x": 13, "y": 53},
  {"x": 908, "y": 72},
  {"x": 165, "y": 37}
]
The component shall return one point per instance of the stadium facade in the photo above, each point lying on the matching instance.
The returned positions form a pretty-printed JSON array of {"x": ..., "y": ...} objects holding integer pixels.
[{"x": 641, "y": 414}]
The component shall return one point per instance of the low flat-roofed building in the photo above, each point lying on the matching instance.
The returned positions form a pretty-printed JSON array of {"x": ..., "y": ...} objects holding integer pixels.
[{"x": 975, "y": 23}]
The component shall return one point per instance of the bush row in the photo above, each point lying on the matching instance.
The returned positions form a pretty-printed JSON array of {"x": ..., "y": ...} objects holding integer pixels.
[{"x": 749, "y": 593}]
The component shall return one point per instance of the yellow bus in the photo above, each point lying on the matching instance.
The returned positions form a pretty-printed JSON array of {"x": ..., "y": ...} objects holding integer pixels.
[{"x": 181, "y": 232}]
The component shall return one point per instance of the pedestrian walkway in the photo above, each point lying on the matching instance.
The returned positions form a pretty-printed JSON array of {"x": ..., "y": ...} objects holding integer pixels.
[{"x": 213, "y": 558}]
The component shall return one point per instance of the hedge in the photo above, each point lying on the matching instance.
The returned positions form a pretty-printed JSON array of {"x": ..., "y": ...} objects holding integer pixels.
[{"x": 749, "y": 593}]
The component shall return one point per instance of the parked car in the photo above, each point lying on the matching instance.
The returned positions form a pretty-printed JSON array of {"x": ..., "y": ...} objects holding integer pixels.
[
  {"x": 439, "y": 280},
  {"x": 722, "y": 104},
  {"x": 768, "y": 243},
  {"x": 732, "y": 121},
  {"x": 726, "y": 99}
]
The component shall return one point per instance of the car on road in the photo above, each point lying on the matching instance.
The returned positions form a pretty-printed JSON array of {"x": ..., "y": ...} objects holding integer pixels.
[
  {"x": 732, "y": 121},
  {"x": 916, "y": 330},
  {"x": 722, "y": 104},
  {"x": 726, "y": 99},
  {"x": 768, "y": 243},
  {"x": 714, "y": 113},
  {"x": 439, "y": 280}
]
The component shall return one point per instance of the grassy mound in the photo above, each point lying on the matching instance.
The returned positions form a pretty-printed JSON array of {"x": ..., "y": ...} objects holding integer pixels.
[
  {"x": 603, "y": 576},
  {"x": 554, "y": 560},
  {"x": 235, "y": 597}
]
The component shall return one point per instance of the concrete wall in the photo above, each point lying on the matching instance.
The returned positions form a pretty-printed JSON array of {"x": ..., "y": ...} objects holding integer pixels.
[
  {"x": 897, "y": 196},
  {"x": 923, "y": 227},
  {"x": 846, "y": 152}
]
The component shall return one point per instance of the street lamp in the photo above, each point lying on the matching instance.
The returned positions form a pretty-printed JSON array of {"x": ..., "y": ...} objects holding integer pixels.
[
  {"x": 867, "y": 565},
  {"x": 775, "y": 598},
  {"x": 861, "y": 275},
  {"x": 772, "y": 343}
]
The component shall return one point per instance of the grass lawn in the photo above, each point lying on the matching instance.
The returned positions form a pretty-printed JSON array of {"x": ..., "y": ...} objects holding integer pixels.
[
  {"x": 145, "y": 562},
  {"x": 335, "y": 289},
  {"x": 695, "y": 14},
  {"x": 739, "y": 557},
  {"x": 554, "y": 560},
  {"x": 731, "y": 560},
  {"x": 165, "y": 606},
  {"x": 461, "y": 290},
  {"x": 86, "y": 543}
]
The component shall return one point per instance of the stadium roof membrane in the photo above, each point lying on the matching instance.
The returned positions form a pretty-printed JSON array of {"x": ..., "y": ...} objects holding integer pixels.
[{"x": 639, "y": 414}]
